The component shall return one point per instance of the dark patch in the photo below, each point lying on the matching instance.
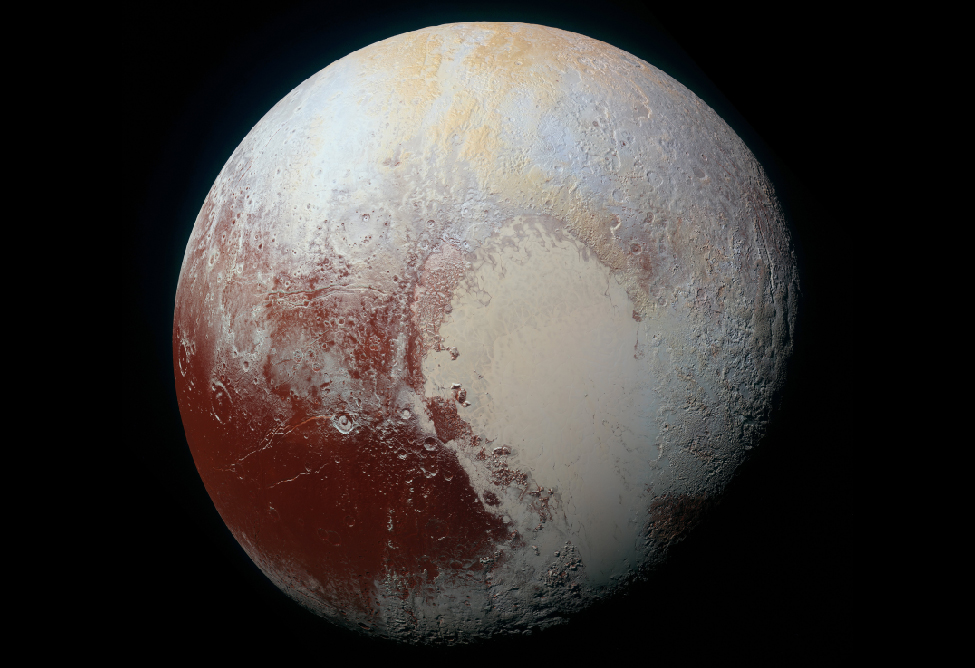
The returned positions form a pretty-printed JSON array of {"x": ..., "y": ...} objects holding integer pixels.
[
  {"x": 673, "y": 517},
  {"x": 448, "y": 424},
  {"x": 414, "y": 512},
  {"x": 563, "y": 571},
  {"x": 539, "y": 503},
  {"x": 503, "y": 476}
]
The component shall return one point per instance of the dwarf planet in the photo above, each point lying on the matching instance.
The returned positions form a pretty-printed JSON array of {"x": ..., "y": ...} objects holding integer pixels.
[{"x": 474, "y": 325}]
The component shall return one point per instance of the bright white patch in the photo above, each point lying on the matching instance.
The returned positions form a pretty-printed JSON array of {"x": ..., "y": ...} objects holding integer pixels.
[{"x": 548, "y": 348}]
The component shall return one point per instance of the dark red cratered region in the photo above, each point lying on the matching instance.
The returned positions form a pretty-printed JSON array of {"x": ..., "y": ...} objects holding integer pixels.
[{"x": 328, "y": 496}]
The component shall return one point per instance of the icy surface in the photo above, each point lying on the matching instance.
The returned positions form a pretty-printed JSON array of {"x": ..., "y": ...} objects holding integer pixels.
[{"x": 474, "y": 324}]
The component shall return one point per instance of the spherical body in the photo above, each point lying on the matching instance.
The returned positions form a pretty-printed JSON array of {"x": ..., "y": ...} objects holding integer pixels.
[{"x": 473, "y": 325}]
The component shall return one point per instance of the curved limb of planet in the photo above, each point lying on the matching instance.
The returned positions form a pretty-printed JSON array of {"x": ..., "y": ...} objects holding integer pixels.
[{"x": 474, "y": 325}]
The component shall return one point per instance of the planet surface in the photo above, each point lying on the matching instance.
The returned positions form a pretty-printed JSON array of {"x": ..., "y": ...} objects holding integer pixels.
[{"x": 474, "y": 325}]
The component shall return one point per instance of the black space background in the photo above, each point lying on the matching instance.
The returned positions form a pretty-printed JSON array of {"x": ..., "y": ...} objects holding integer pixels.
[{"x": 778, "y": 574}]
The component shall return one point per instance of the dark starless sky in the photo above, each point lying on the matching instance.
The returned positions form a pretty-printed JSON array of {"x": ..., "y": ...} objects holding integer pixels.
[{"x": 777, "y": 571}]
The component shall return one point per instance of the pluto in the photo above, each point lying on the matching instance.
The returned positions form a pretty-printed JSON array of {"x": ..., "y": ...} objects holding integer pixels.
[{"x": 474, "y": 325}]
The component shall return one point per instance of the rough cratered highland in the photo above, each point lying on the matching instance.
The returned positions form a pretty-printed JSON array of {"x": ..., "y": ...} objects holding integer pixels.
[{"x": 474, "y": 324}]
